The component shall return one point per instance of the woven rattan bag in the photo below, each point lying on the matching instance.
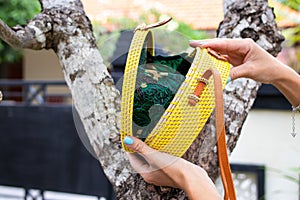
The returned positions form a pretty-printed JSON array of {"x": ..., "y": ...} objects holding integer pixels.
[
  {"x": 156, "y": 91},
  {"x": 166, "y": 101}
]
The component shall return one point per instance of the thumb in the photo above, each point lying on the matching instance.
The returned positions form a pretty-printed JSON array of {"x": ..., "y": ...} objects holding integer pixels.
[
  {"x": 241, "y": 71},
  {"x": 155, "y": 159},
  {"x": 137, "y": 145}
]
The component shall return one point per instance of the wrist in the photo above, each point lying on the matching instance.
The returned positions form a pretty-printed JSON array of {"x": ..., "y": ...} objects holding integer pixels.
[
  {"x": 280, "y": 74},
  {"x": 198, "y": 185},
  {"x": 287, "y": 81}
]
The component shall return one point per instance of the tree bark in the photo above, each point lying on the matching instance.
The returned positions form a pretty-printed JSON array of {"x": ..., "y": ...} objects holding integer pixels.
[{"x": 63, "y": 26}]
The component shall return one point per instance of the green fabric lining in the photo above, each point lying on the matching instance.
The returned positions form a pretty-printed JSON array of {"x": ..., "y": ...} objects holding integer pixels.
[{"x": 157, "y": 82}]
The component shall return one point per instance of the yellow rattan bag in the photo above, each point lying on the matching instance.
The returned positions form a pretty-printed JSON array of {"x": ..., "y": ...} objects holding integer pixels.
[{"x": 181, "y": 122}]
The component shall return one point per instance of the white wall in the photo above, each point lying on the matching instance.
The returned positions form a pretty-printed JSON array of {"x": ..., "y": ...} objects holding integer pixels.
[{"x": 266, "y": 140}]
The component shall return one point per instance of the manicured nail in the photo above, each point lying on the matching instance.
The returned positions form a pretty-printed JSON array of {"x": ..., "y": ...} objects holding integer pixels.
[
  {"x": 199, "y": 42},
  {"x": 228, "y": 80},
  {"x": 128, "y": 140}
]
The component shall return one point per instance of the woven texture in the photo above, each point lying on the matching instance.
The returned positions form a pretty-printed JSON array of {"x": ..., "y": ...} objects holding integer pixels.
[{"x": 181, "y": 123}]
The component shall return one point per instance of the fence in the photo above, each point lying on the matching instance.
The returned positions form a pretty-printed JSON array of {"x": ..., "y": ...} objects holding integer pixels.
[
  {"x": 45, "y": 142},
  {"x": 34, "y": 92}
]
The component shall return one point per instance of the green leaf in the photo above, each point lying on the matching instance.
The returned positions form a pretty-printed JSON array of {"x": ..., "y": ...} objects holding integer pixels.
[{"x": 14, "y": 12}]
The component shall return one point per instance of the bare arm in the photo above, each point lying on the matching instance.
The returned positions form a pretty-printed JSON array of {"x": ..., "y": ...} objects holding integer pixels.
[
  {"x": 251, "y": 61},
  {"x": 288, "y": 82},
  {"x": 166, "y": 170}
]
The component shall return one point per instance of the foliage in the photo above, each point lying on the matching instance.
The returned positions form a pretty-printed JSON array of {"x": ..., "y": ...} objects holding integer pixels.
[
  {"x": 289, "y": 174},
  {"x": 152, "y": 16},
  {"x": 15, "y": 12},
  {"x": 292, "y": 34},
  {"x": 106, "y": 41},
  {"x": 123, "y": 23},
  {"x": 188, "y": 31},
  {"x": 171, "y": 38},
  {"x": 294, "y": 4}
]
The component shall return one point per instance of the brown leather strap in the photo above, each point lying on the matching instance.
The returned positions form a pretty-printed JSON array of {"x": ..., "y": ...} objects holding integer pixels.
[
  {"x": 221, "y": 139},
  {"x": 225, "y": 170},
  {"x": 202, "y": 82}
]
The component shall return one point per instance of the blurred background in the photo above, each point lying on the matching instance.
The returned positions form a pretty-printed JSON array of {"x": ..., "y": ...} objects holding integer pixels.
[{"x": 41, "y": 154}]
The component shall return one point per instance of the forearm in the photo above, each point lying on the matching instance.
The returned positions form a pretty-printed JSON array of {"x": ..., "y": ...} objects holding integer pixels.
[
  {"x": 288, "y": 82},
  {"x": 199, "y": 186}
]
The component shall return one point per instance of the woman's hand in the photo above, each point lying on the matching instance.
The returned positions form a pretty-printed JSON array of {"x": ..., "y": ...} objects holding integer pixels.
[
  {"x": 166, "y": 170},
  {"x": 251, "y": 61}
]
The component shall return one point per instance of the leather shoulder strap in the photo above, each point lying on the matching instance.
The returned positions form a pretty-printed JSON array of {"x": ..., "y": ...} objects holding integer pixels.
[{"x": 225, "y": 170}]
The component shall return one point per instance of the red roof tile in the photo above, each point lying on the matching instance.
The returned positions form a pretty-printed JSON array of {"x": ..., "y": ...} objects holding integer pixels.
[
  {"x": 199, "y": 14},
  {"x": 204, "y": 15}
]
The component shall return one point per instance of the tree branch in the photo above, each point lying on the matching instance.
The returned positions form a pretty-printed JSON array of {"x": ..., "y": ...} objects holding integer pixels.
[
  {"x": 9, "y": 36},
  {"x": 32, "y": 36}
]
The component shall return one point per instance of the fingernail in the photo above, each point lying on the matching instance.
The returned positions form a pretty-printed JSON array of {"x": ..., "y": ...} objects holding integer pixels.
[
  {"x": 199, "y": 42},
  {"x": 128, "y": 140},
  {"x": 228, "y": 80}
]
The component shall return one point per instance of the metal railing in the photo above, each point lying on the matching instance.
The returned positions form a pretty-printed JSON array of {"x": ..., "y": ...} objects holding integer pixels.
[
  {"x": 28, "y": 92},
  {"x": 34, "y": 92}
]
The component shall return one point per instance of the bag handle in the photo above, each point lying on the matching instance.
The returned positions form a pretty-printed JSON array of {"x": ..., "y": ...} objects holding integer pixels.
[{"x": 225, "y": 170}]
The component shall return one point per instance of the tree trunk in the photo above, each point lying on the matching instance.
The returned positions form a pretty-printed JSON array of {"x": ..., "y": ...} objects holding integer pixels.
[
  {"x": 64, "y": 27},
  {"x": 243, "y": 19}
]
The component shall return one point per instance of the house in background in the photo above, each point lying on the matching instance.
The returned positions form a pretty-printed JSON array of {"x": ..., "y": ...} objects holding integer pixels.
[
  {"x": 201, "y": 15},
  {"x": 265, "y": 139}
]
